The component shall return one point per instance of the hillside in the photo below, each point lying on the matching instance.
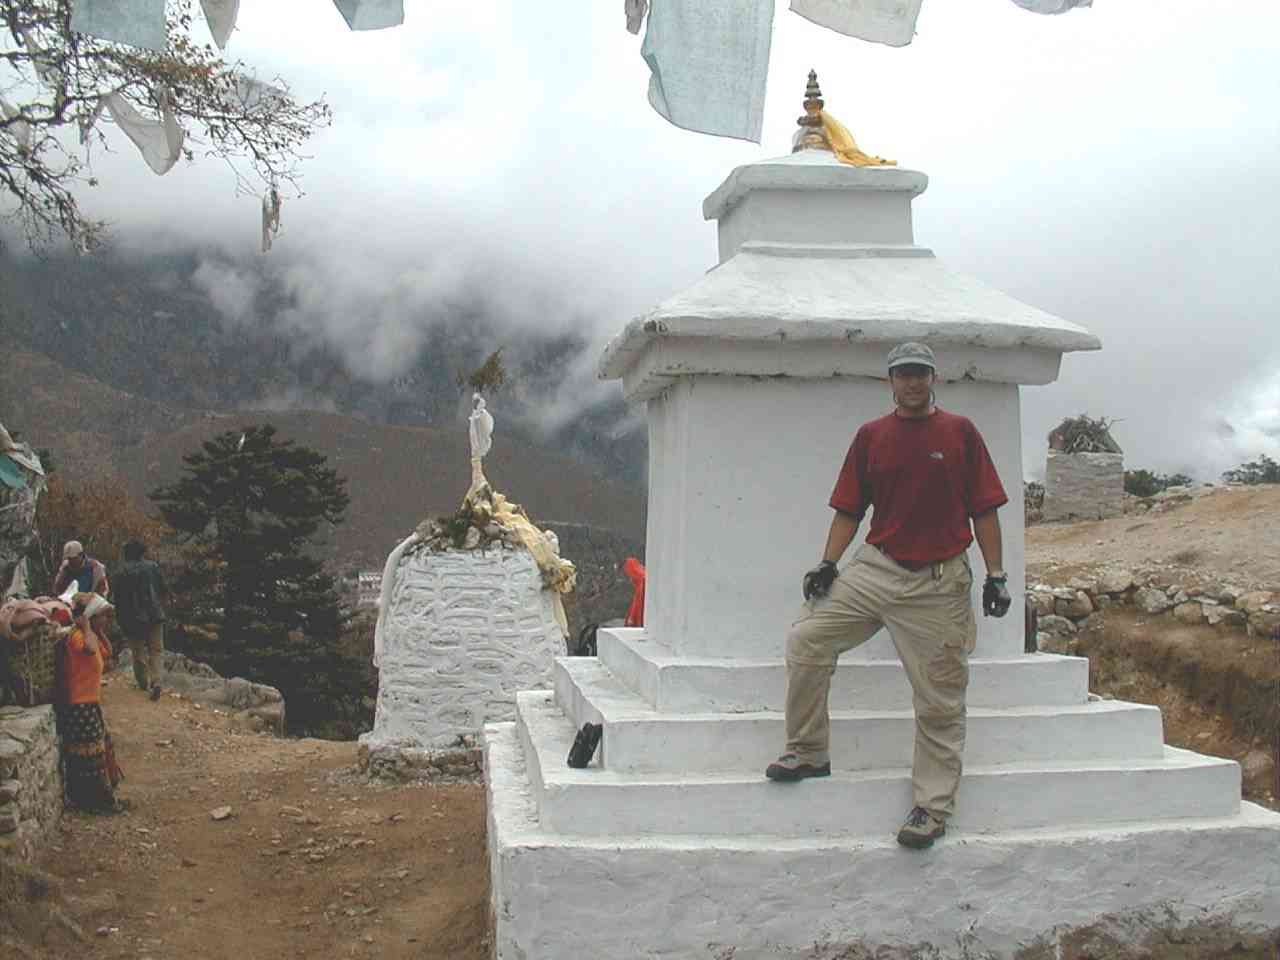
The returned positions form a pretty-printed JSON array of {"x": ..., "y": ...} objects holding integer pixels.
[
  {"x": 397, "y": 474},
  {"x": 193, "y": 331}
]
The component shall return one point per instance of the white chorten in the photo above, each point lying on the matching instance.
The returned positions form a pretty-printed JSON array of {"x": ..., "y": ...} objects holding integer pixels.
[{"x": 672, "y": 843}]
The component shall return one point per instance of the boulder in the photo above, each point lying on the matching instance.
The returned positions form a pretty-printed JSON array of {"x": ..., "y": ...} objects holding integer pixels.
[
  {"x": 1115, "y": 581},
  {"x": 1152, "y": 601},
  {"x": 1076, "y": 608},
  {"x": 1085, "y": 584},
  {"x": 1057, "y": 626},
  {"x": 1189, "y": 612},
  {"x": 1254, "y": 601}
]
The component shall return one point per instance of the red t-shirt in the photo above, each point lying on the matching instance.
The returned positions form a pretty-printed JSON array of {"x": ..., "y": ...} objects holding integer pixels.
[{"x": 925, "y": 478}]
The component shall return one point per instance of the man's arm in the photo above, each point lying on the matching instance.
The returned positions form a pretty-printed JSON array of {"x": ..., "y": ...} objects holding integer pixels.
[
  {"x": 843, "y": 527},
  {"x": 986, "y": 530}
]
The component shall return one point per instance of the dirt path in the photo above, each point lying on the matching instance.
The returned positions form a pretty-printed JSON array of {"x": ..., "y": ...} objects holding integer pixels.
[{"x": 313, "y": 861}]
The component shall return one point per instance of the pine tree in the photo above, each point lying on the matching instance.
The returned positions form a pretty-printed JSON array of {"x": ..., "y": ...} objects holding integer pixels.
[{"x": 251, "y": 505}]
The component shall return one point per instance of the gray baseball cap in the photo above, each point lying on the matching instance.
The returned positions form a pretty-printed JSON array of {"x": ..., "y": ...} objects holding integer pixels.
[{"x": 912, "y": 352}]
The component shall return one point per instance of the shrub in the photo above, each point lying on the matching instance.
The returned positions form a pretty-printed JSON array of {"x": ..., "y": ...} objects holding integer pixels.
[
  {"x": 1262, "y": 470},
  {"x": 1144, "y": 483}
]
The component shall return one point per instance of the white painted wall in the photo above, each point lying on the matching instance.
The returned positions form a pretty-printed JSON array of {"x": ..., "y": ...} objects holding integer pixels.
[
  {"x": 740, "y": 472},
  {"x": 464, "y": 631}
]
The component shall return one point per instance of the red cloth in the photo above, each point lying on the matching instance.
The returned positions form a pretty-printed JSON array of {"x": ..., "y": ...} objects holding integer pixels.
[
  {"x": 82, "y": 677},
  {"x": 925, "y": 477},
  {"x": 634, "y": 570}
]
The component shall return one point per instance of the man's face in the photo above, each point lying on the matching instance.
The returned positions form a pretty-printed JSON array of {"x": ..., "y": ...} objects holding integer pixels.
[
  {"x": 76, "y": 562},
  {"x": 911, "y": 383}
]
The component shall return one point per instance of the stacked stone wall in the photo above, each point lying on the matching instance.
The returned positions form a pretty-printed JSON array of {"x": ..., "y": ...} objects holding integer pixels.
[
  {"x": 30, "y": 779},
  {"x": 1083, "y": 486},
  {"x": 1062, "y": 610},
  {"x": 465, "y": 630}
]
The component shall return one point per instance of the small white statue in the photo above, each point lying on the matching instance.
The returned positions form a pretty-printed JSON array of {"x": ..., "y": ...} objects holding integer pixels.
[{"x": 481, "y": 430}]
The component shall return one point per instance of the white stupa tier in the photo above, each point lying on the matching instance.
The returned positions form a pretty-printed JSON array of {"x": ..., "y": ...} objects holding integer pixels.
[{"x": 672, "y": 843}]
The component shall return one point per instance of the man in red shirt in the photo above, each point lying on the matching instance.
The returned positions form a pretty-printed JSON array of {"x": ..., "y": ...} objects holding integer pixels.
[{"x": 929, "y": 476}]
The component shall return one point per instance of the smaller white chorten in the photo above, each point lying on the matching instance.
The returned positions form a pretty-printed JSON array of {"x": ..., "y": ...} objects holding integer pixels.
[{"x": 470, "y": 613}]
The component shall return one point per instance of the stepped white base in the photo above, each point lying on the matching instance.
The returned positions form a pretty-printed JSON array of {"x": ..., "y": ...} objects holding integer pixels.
[
  {"x": 1008, "y": 796},
  {"x": 674, "y": 684},
  {"x": 639, "y": 739},
  {"x": 557, "y": 897}
]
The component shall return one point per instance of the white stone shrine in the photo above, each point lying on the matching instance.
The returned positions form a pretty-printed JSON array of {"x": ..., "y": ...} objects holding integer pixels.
[
  {"x": 672, "y": 844},
  {"x": 467, "y": 618}
]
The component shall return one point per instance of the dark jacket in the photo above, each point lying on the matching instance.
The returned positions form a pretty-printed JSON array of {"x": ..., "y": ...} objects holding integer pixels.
[{"x": 137, "y": 593}]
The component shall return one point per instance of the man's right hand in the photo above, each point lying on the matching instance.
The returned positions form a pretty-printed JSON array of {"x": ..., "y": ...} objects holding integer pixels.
[{"x": 818, "y": 580}]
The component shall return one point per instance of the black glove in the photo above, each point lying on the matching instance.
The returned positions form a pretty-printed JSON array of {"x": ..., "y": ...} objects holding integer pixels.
[
  {"x": 995, "y": 596},
  {"x": 818, "y": 580}
]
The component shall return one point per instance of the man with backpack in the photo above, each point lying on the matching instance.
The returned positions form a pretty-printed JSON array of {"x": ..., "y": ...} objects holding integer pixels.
[{"x": 139, "y": 589}]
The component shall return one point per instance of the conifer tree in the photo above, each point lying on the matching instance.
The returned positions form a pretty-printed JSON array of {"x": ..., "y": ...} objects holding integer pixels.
[{"x": 251, "y": 504}]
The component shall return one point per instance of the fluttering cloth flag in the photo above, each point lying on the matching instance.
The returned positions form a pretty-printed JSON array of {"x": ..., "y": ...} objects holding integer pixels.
[
  {"x": 1052, "y": 6},
  {"x": 709, "y": 63},
  {"x": 371, "y": 14},
  {"x": 891, "y": 22},
  {"x": 138, "y": 23},
  {"x": 159, "y": 141},
  {"x": 221, "y": 17},
  {"x": 635, "y": 10}
]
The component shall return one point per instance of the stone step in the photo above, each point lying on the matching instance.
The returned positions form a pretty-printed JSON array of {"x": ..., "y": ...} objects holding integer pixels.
[
  {"x": 638, "y": 739},
  {"x": 674, "y": 684},
  {"x": 989, "y": 894},
  {"x": 596, "y": 801}
]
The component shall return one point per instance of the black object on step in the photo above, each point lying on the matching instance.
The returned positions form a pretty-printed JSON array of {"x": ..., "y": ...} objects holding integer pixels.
[
  {"x": 586, "y": 645},
  {"x": 1031, "y": 627},
  {"x": 584, "y": 744}
]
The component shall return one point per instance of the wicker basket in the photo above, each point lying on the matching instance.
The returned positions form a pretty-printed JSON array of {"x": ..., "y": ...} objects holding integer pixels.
[{"x": 33, "y": 663}]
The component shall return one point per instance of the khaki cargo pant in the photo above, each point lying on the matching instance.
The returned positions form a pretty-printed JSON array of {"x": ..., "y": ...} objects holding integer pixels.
[
  {"x": 146, "y": 641},
  {"x": 930, "y": 618}
]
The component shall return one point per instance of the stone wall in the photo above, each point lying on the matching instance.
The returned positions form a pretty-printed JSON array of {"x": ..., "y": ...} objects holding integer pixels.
[
  {"x": 463, "y": 632},
  {"x": 30, "y": 779},
  {"x": 1065, "y": 609},
  {"x": 1083, "y": 486}
]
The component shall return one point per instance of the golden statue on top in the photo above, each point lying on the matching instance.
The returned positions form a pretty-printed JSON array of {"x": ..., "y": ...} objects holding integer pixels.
[{"x": 821, "y": 131}]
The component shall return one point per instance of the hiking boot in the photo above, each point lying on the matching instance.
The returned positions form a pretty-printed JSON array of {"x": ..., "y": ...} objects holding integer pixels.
[
  {"x": 789, "y": 767},
  {"x": 155, "y": 693},
  {"x": 921, "y": 829}
]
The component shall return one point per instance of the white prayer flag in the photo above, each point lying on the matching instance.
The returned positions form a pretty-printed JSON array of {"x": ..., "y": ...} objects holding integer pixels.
[
  {"x": 138, "y": 23},
  {"x": 891, "y": 22},
  {"x": 1052, "y": 6},
  {"x": 371, "y": 14},
  {"x": 159, "y": 141},
  {"x": 221, "y": 17},
  {"x": 709, "y": 63}
]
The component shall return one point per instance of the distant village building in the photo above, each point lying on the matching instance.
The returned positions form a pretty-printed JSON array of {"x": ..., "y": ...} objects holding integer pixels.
[
  {"x": 1084, "y": 472},
  {"x": 368, "y": 587}
]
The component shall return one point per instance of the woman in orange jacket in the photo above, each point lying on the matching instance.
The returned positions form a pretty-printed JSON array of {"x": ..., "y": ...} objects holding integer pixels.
[{"x": 92, "y": 773}]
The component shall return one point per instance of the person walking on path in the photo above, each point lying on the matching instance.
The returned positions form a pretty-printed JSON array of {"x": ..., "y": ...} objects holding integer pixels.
[
  {"x": 929, "y": 477},
  {"x": 140, "y": 589},
  {"x": 89, "y": 759},
  {"x": 90, "y": 575}
]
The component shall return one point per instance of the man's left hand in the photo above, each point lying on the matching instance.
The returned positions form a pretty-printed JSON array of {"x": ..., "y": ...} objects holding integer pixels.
[{"x": 995, "y": 596}]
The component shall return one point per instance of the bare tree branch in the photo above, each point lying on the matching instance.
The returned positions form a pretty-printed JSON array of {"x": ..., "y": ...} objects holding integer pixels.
[{"x": 56, "y": 81}]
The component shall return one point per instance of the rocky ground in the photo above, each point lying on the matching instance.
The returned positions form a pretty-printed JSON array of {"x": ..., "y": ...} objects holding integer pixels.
[{"x": 240, "y": 845}]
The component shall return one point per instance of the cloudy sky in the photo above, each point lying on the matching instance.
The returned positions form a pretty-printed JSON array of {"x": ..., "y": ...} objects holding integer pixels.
[{"x": 1118, "y": 166}]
